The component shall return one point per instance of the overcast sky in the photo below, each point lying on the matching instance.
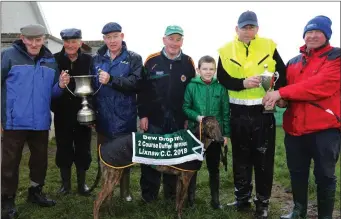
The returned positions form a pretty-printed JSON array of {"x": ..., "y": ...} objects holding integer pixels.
[{"x": 207, "y": 26}]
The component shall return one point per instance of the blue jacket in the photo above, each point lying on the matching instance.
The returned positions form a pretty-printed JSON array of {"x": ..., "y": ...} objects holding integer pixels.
[
  {"x": 115, "y": 102},
  {"x": 27, "y": 85}
]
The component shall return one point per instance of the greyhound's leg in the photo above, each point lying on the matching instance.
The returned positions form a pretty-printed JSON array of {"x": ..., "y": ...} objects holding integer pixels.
[
  {"x": 178, "y": 192},
  {"x": 185, "y": 180},
  {"x": 111, "y": 178}
]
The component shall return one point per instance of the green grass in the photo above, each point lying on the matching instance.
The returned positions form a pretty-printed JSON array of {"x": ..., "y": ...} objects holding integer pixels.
[{"x": 74, "y": 206}]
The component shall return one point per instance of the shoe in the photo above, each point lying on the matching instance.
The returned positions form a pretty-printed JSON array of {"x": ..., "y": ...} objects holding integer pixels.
[
  {"x": 65, "y": 174},
  {"x": 214, "y": 182},
  {"x": 83, "y": 189},
  {"x": 8, "y": 210},
  {"x": 36, "y": 196}
]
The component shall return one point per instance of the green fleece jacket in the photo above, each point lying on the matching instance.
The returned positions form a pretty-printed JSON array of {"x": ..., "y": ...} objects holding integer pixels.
[{"x": 203, "y": 99}]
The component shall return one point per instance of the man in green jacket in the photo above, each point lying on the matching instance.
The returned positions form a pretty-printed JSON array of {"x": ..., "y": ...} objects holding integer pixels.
[{"x": 204, "y": 96}]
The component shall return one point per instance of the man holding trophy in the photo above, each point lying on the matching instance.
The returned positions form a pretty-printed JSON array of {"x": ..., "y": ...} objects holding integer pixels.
[
  {"x": 246, "y": 68},
  {"x": 73, "y": 139},
  {"x": 312, "y": 119}
]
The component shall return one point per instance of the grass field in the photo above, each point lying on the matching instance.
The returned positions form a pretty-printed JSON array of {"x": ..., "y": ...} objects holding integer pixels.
[{"x": 74, "y": 206}]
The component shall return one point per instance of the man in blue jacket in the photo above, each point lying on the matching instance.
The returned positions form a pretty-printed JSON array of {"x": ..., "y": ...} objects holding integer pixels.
[
  {"x": 119, "y": 75},
  {"x": 29, "y": 79}
]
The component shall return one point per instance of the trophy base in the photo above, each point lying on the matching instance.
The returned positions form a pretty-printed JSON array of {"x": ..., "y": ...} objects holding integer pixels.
[
  {"x": 267, "y": 110},
  {"x": 86, "y": 123}
]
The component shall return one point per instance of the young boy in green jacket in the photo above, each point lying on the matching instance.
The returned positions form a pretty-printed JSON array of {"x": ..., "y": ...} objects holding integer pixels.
[{"x": 204, "y": 96}]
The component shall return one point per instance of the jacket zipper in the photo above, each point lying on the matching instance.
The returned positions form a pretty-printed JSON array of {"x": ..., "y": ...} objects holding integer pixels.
[
  {"x": 235, "y": 62},
  {"x": 170, "y": 66},
  {"x": 262, "y": 60},
  {"x": 208, "y": 100}
]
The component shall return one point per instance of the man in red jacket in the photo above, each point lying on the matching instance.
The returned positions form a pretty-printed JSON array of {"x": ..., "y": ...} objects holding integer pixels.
[{"x": 312, "y": 118}]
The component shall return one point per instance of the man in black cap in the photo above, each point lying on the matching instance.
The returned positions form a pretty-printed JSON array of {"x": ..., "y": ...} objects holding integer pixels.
[
  {"x": 73, "y": 140},
  {"x": 29, "y": 79},
  {"x": 240, "y": 64},
  {"x": 115, "y": 103}
]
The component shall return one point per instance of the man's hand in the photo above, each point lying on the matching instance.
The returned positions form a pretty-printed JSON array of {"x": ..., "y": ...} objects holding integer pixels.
[
  {"x": 144, "y": 123},
  {"x": 282, "y": 103},
  {"x": 252, "y": 82},
  {"x": 226, "y": 140},
  {"x": 104, "y": 77},
  {"x": 64, "y": 79},
  {"x": 271, "y": 98},
  {"x": 186, "y": 124}
]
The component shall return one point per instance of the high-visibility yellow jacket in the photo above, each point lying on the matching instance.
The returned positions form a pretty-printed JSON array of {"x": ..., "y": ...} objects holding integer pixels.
[{"x": 241, "y": 61}]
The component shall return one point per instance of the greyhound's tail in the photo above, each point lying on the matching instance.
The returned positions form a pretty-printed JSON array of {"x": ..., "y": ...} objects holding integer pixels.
[{"x": 99, "y": 173}]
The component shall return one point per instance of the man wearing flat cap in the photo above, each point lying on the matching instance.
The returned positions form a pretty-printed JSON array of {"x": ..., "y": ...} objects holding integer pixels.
[
  {"x": 312, "y": 122},
  {"x": 119, "y": 72},
  {"x": 30, "y": 79},
  {"x": 160, "y": 105},
  {"x": 240, "y": 64},
  {"x": 73, "y": 140}
]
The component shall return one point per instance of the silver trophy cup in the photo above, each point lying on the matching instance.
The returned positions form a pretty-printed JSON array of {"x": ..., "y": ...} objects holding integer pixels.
[
  {"x": 268, "y": 80},
  {"x": 85, "y": 116}
]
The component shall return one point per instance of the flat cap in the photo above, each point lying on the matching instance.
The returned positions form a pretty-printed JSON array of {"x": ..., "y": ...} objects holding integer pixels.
[
  {"x": 247, "y": 18},
  {"x": 111, "y": 27},
  {"x": 71, "y": 33},
  {"x": 33, "y": 30}
]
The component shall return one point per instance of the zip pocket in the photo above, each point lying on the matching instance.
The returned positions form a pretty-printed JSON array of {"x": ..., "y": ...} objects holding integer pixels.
[
  {"x": 262, "y": 60},
  {"x": 235, "y": 62}
]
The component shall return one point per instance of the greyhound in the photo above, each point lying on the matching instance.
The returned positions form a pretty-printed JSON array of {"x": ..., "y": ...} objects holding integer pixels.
[{"x": 209, "y": 131}]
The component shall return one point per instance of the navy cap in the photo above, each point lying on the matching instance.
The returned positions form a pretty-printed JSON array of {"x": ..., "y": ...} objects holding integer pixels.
[
  {"x": 247, "y": 18},
  {"x": 71, "y": 33},
  {"x": 321, "y": 23},
  {"x": 111, "y": 27}
]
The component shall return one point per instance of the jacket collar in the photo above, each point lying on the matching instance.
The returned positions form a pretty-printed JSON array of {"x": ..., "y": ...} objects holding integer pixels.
[
  {"x": 103, "y": 49},
  {"x": 43, "y": 53},
  {"x": 315, "y": 52}
]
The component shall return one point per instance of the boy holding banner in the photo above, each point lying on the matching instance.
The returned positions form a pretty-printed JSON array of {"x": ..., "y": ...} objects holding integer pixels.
[{"x": 204, "y": 96}]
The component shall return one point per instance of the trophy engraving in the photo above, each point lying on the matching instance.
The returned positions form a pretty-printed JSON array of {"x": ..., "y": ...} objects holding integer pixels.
[
  {"x": 85, "y": 116},
  {"x": 268, "y": 80}
]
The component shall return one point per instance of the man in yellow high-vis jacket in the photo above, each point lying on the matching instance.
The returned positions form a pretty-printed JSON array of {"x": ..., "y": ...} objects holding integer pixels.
[{"x": 240, "y": 63}]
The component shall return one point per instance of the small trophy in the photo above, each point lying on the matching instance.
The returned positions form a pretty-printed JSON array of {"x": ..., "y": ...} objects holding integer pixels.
[
  {"x": 268, "y": 83},
  {"x": 85, "y": 116}
]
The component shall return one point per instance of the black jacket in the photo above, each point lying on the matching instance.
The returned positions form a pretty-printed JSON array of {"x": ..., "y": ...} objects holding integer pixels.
[
  {"x": 67, "y": 105},
  {"x": 162, "y": 94}
]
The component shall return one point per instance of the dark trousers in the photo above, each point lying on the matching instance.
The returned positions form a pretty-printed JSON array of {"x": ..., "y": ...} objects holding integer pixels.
[
  {"x": 73, "y": 143},
  {"x": 12, "y": 147},
  {"x": 151, "y": 179},
  {"x": 253, "y": 136},
  {"x": 212, "y": 156},
  {"x": 324, "y": 148}
]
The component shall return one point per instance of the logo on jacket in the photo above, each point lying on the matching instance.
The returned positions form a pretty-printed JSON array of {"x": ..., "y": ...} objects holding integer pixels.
[
  {"x": 183, "y": 78},
  {"x": 159, "y": 73},
  {"x": 125, "y": 62}
]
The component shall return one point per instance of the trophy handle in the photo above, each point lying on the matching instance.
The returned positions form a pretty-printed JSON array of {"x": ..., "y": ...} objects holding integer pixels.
[
  {"x": 97, "y": 90},
  {"x": 276, "y": 75},
  {"x": 98, "y": 71},
  {"x": 67, "y": 71}
]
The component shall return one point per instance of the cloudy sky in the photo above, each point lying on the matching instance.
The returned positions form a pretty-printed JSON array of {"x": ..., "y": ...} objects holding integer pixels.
[{"x": 207, "y": 26}]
